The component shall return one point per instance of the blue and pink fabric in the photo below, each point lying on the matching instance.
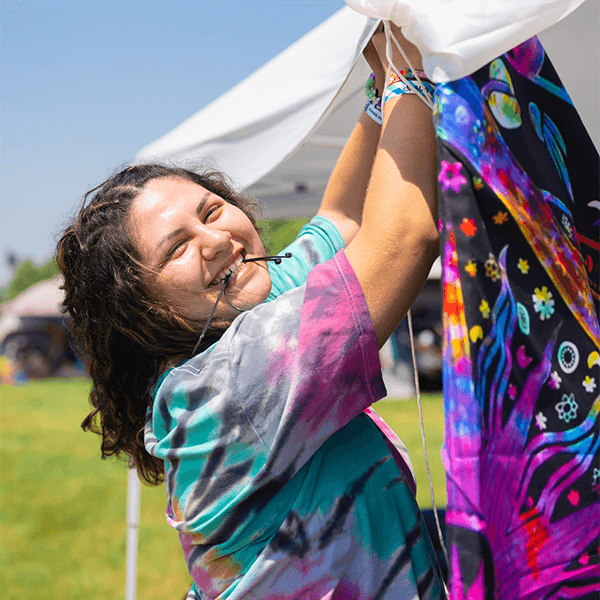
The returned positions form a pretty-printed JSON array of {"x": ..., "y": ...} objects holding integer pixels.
[{"x": 520, "y": 224}]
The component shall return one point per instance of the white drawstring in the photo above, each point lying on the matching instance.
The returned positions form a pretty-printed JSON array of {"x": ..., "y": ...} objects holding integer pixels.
[
  {"x": 422, "y": 92},
  {"x": 418, "y": 392},
  {"x": 425, "y": 96}
]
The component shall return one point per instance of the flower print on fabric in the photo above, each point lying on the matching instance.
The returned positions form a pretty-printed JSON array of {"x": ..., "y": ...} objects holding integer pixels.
[
  {"x": 589, "y": 383},
  {"x": 500, "y": 217},
  {"x": 468, "y": 227},
  {"x": 573, "y": 497},
  {"x": 484, "y": 308},
  {"x": 567, "y": 408},
  {"x": 540, "y": 421},
  {"x": 451, "y": 176},
  {"x": 523, "y": 266},
  {"x": 555, "y": 380},
  {"x": 471, "y": 268},
  {"x": 543, "y": 302},
  {"x": 491, "y": 268},
  {"x": 494, "y": 160}
]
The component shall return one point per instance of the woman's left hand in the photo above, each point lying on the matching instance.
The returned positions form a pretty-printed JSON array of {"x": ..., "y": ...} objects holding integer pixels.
[{"x": 372, "y": 56}]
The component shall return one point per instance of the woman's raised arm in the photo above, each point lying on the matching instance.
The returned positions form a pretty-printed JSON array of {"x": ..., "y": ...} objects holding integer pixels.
[{"x": 398, "y": 239}]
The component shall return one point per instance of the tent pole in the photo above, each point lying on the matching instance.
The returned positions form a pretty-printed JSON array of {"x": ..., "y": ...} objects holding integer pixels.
[{"x": 133, "y": 521}]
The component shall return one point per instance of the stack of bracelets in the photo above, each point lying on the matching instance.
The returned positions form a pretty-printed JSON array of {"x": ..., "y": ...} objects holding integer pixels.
[{"x": 395, "y": 87}]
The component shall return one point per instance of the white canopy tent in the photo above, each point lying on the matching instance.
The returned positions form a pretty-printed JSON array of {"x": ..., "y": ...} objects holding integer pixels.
[{"x": 279, "y": 132}]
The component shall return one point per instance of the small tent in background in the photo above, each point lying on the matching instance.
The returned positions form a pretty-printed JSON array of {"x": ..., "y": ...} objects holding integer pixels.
[{"x": 34, "y": 334}]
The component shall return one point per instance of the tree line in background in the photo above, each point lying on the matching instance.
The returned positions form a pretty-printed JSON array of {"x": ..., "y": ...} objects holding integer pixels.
[{"x": 277, "y": 233}]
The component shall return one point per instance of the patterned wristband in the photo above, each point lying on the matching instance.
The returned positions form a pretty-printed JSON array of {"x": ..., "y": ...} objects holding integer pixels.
[
  {"x": 373, "y": 109},
  {"x": 396, "y": 86}
]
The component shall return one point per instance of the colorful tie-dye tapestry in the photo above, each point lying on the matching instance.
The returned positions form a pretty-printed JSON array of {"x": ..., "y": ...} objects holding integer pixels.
[{"x": 520, "y": 223}]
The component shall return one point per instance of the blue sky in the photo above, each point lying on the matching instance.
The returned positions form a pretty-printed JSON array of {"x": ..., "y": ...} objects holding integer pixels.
[{"x": 85, "y": 85}]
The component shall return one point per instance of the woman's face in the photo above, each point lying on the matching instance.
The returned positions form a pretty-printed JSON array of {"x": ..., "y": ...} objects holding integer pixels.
[{"x": 188, "y": 238}]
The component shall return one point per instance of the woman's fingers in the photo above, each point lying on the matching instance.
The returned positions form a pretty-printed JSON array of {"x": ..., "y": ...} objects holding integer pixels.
[{"x": 411, "y": 51}]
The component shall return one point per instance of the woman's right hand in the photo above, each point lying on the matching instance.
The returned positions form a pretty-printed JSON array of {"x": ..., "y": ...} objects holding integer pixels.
[{"x": 378, "y": 43}]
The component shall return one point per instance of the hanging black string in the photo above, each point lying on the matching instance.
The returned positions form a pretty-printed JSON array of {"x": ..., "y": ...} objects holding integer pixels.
[
  {"x": 275, "y": 259},
  {"x": 212, "y": 312}
]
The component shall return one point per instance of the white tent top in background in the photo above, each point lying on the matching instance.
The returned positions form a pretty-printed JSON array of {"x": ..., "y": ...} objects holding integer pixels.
[
  {"x": 42, "y": 299},
  {"x": 255, "y": 126}
]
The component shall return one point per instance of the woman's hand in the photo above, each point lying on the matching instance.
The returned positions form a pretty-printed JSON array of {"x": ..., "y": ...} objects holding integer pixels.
[
  {"x": 378, "y": 45},
  {"x": 372, "y": 54}
]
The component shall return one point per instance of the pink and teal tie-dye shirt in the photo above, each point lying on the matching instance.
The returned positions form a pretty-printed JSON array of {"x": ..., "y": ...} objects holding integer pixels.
[{"x": 279, "y": 483}]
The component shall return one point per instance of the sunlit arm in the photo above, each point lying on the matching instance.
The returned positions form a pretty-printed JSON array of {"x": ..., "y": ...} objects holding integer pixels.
[{"x": 398, "y": 240}]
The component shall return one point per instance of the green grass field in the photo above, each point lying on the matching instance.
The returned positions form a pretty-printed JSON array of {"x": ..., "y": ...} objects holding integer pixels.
[{"x": 63, "y": 528}]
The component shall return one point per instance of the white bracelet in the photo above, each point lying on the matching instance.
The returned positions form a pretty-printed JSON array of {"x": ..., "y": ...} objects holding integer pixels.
[{"x": 373, "y": 109}]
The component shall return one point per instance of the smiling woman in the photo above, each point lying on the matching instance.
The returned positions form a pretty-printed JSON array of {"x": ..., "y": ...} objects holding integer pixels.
[
  {"x": 127, "y": 335},
  {"x": 281, "y": 480}
]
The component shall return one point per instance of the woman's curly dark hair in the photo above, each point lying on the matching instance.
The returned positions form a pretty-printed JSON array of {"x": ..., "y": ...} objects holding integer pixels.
[{"x": 127, "y": 337}]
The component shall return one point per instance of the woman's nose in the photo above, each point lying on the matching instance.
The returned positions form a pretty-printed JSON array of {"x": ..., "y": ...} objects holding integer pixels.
[{"x": 213, "y": 241}]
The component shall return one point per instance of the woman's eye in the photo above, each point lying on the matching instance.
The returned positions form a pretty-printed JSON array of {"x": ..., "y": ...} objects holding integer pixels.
[
  {"x": 175, "y": 250},
  {"x": 210, "y": 212}
]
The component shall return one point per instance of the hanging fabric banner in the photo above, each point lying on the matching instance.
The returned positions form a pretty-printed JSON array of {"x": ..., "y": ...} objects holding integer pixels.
[{"x": 520, "y": 228}]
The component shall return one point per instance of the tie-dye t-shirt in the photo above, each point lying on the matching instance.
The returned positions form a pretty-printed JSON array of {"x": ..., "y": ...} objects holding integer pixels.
[{"x": 279, "y": 483}]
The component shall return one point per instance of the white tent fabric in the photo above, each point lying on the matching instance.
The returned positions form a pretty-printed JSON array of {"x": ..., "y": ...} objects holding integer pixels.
[
  {"x": 256, "y": 125},
  {"x": 457, "y": 37}
]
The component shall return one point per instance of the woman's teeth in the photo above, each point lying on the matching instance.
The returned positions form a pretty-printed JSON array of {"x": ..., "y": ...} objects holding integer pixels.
[{"x": 227, "y": 271}]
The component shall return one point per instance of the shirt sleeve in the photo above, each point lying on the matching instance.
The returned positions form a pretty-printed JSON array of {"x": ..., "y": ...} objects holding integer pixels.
[
  {"x": 317, "y": 242},
  {"x": 251, "y": 411}
]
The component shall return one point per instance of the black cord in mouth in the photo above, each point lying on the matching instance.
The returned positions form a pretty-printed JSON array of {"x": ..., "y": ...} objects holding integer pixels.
[{"x": 275, "y": 259}]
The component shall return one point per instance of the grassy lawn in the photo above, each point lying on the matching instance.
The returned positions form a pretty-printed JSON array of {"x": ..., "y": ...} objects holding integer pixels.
[{"x": 63, "y": 525}]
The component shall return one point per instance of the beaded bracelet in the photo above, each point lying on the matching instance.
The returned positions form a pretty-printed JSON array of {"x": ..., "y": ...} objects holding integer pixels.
[
  {"x": 373, "y": 105},
  {"x": 397, "y": 85},
  {"x": 370, "y": 90}
]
